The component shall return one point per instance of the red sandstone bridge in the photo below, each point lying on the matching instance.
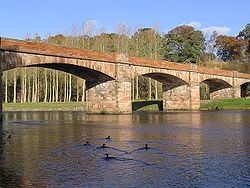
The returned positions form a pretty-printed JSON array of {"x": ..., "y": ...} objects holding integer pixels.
[{"x": 108, "y": 76}]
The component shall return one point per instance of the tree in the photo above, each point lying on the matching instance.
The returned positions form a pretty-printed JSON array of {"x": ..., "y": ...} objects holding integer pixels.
[
  {"x": 122, "y": 39},
  {"x": 57, "y": 40},
  {"x": 183, "y": 44},
  {"x": 245, "y": 35},
  {"x": 230, "y": 48},
  {"x": 146, "y": 42},
  {"x": 210, "y": 52}
]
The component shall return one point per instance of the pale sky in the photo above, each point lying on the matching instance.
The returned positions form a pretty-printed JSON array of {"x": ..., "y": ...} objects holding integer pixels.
[{"x": 19, "y": 17}]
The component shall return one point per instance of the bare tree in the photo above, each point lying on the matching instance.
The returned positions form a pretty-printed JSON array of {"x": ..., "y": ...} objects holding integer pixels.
[{"x": 88, "y": 30}]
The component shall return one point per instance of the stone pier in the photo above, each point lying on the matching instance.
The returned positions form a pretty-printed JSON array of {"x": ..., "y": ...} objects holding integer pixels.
[
  {"x": 184, "y": 97},
  {"x": 110, "y": 97},
  {"x": 113, "y": 96}
]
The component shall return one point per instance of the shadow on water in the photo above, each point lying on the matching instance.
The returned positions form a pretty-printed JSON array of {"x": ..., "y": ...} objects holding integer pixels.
[
  {"x": 8, "y": 177},
  {"x": 140, "y": 104}
]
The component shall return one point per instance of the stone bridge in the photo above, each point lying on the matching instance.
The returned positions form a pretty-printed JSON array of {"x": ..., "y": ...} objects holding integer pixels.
[{"x": 108, "y": 76}]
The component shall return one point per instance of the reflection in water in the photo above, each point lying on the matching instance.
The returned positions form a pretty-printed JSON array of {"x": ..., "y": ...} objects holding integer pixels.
[{"x": 194, "y": 149}]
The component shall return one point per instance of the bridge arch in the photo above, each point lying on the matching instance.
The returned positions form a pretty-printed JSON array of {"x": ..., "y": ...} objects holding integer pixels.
[
  {"x": 216, "y": 84},
  {"x": 92, "y": 71},
  {"x": 215, "y": 88},
  {"x": 168, "y": 80},
  {"x": 245, "y": 89},
  {"x": 160, "y": 74}
]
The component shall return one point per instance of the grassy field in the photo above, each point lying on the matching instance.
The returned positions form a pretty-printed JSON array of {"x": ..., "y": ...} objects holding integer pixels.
[
  {"x": 59, "y": 106},
  {"x": 152, "y": 105},
  {"x": 226, "y": 104}
]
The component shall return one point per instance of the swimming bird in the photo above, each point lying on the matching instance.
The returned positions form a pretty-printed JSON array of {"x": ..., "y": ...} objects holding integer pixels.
[
  {"x": 103, "y": 145},
  {"x": 108, "y": 137},
  {"x": 86, "y": 143},
  {"x": 107, "y": 156},
  {"x": 146, "y": 146}
]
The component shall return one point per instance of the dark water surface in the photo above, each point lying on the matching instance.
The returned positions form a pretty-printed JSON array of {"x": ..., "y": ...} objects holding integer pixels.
[{"x": 186, "y": 149}]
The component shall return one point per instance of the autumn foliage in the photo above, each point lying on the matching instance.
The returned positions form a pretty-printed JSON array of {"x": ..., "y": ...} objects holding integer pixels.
[{"x": 230, "y": 48}]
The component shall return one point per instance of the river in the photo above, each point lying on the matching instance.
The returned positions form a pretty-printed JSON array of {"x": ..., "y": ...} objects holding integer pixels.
[{"x": 185, "y": 149}]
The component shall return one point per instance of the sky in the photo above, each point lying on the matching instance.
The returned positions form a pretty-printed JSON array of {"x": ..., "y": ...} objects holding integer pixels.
[{"x": 50, "y": 17}]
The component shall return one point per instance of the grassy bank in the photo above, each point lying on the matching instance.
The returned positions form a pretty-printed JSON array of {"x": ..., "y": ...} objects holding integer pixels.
[
  {"x": 152, "y": 105},
  {"x": 226, "y": 104},
  {"x": 59, "y": 106}
]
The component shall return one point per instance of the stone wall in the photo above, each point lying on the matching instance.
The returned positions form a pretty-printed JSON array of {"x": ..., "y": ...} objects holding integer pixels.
[
  {"x": 222, "y": 94},
  {"x": 177, "y": 98}
]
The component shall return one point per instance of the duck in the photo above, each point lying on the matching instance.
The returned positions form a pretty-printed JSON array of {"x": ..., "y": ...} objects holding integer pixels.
[
  {"x": 103, "y": 146},
  {"x": 108, "y": 137},
  {"x": 86, "y": 143},
  {"x": 146, "y": 147},
  {"x": 107, "y": 156}
]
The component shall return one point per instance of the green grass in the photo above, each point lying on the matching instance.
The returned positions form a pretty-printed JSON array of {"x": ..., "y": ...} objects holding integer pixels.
[
  {"x": 226, "y": 104},
  {"x": 152, "y": 105},
  {"x": 59, "y": 106}
]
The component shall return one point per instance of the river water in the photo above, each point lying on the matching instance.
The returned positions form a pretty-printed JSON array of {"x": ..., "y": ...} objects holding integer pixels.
[{"x": 186, "y": 149}]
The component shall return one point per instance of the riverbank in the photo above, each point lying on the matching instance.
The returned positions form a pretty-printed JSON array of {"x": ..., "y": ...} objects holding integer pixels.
[
  {"x": 226, "y": 104},
  {"x": 151, "y": 105},
  {"x": 55, "y": 106}
]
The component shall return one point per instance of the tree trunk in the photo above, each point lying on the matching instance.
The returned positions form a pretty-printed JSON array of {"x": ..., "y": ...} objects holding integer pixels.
[
  {"x": 83, "y": 90},
  {"x": 29, "y": 88},
  {"x": 46, "y": 86},
  {"x": 6, "y": 87},
  {"x": 14, "y": 89},
  {"x": 33, "y": 88},
  {"x": 137, "y": 88},
  {"x": 65, "y": 87},
  {"x": 25, "y": 85},
  {"x": 70, "y": 88},
  {"x": 133, "y": 89},
  {"x": 156, "y": 90},
  {"x": 77, "y": 89},
  {"x": 38, "y": 86},
  {"x": 150, "y": 88},
  {"x": 53, "y": 86},
  {"x": 50, "y": 87},
  {"x": 22, "y": 87},
  {"x": 57, "y": 80}
]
